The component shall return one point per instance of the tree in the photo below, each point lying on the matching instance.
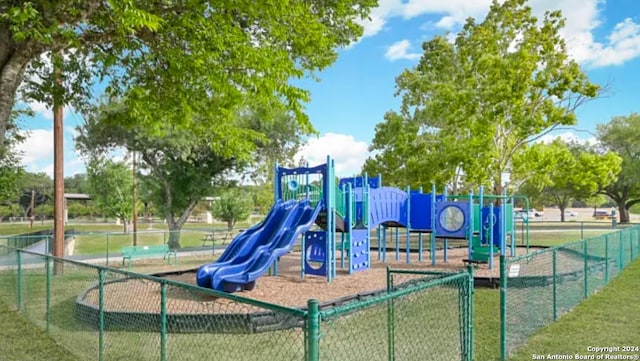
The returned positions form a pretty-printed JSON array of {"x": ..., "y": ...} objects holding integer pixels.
[
  {"x": 181, "y": 169},
  {"x": 564, "y": 172},
  {"x": 172, "y": 51},
  {"x": 233, "y": 205},
  {"x": 111, "y": 188},
  {"x": 622, "y": 135},
  {"x": 37, "y": 188},
  {"x": 76, "y": 183},
  {"x": 479, "y": 100}
]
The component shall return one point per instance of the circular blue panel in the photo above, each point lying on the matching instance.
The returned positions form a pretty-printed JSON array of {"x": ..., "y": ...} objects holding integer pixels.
[
  {"x": 451, "y": 219},
  {"x": 292, "y": 185}
]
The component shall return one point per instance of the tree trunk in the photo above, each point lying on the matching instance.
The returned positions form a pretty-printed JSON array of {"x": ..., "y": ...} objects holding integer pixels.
[
  {"x": 174, "y": 232},
  {"x": 624, "y": 212},
  {"x": 125, "y": 225},
  {"x": 13, "y": 63},
  {"x": 175, "y": 225},
  {"x": 562, "y": 208}
]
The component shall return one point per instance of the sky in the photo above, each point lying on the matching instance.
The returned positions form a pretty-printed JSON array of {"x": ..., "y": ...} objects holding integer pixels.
[{"x": 353, "y": 94}]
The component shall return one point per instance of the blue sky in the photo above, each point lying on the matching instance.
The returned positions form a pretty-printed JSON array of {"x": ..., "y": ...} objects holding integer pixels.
[{"x": 354, "y": 93}]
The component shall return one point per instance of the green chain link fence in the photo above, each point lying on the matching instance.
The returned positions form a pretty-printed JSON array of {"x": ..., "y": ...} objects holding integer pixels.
[
  {"x": 539, "y": 287},
  {"x": 102, "y": 313}
]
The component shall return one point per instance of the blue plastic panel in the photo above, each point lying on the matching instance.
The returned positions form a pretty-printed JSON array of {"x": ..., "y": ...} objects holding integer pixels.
[
  {"x": 462, "y": 210},
  {"x": 492, "y": 224}
]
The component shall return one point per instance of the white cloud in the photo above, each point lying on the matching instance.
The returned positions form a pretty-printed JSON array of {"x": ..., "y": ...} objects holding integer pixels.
[
  {"x": 348, "y": 154},
  {"x": 567, "y": 137},
  {"x": 583, "y": 17},
  {"x": 48, "y": 170},
  {"x": 37, "y": 146},
  {"x": 401, "y": 50}
]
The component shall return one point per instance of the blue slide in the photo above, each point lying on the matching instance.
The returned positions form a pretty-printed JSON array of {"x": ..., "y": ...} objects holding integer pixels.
[{"x": 248, "y": 257}]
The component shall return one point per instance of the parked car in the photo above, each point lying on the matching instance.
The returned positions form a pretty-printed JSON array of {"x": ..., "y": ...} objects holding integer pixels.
[{"x": 601, "y": 215}]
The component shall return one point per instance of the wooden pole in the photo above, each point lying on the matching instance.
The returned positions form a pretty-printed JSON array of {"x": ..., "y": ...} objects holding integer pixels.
[
  {"x": 135, "y": 202},
  {"x": 58, "y": 173}
]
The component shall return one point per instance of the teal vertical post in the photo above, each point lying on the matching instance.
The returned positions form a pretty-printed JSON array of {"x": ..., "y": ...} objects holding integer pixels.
[
  {"x": 433, "y": 225},
  {"x": 390, "y": 320},
  {"x": 582, "y": 230},
  {"x": 19, "y": 280},
  {"x": 503, "y": 308},
  {"x": 445, "y": 248},
  {"x": 163, "y": 321},
  {"x": 420, "y": 240},
  {"x": 397, "y": 243},
  {"x": 470, "y": 228},
  {"x": 513, "y": 227},
  {"x": 313, "y": 333},
  {"x": 47, "y": 311},
  {"x": 470, "y": 312},
  {"x": 620, "y": 251},
  {"x": 491, "y": 223},
  {"x": 342, "y": 249},
  {"x": 606, "y": 259},
  {"x": 632, "y": 256},
  {"x": 503, "y": 222},
  {"x": 555, "y": 283},
  {"x": 586, "y": 269},
  {"x": 379, "y": 238},
  {"x": 107, "y": 257},
  {"x": 408, "y": 224},
  {"x": 445, "y": 242},
  {"x": 164, "y": 237},
  {"x": 100, "y": 314}
]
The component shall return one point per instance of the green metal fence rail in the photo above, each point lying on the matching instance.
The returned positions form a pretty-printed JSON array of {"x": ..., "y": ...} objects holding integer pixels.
[
  {"x": 539, "y": 287},
  {"x": 102, "y": 313}
]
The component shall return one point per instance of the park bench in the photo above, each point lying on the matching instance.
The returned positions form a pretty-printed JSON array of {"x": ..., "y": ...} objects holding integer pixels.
[{"x": 132, "y": 252}]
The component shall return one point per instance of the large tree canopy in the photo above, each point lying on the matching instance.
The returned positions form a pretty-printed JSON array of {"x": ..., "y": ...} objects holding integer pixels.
[
  {"x": 171, "y": 52},
  {"x": 563, "y": 172},
  {"x": 182, "y": 168},
  {"x": 622, "y": 135},
  {"x": 478, "y": 100},
  {"x": 111, "y": 188}
]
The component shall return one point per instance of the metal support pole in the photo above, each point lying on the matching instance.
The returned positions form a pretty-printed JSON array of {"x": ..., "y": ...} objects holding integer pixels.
[
  {"x": 313, "y": 334},
  {"x": 163, "y": 322},
  {"x": 100, "y": 314},
  {"x": 503, "y": 308}
]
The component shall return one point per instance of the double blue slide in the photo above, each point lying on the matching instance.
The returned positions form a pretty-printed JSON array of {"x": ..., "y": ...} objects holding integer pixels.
[{"x": 252, "y": 252}]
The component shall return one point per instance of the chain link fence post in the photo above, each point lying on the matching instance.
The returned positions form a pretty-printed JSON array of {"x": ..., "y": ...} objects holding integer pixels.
[
  {"x": 555, "y": 283},
  {"x": 100, "y": 314},
  {"x": 163, "y": 321},
  {"x": 471, "y": 291},
  {"x": 47, "y": 270},
  {"x": 586, "y": 268},
  {"x": 313, "y": 334},
  {"x": 19, "y": 280},
  {"x": 606, "y": 259},
  {"x": 503, "y": 308}
]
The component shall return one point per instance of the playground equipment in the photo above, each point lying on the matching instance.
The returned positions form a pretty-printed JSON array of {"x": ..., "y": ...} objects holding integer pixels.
[{"x": 354, "y": 207}]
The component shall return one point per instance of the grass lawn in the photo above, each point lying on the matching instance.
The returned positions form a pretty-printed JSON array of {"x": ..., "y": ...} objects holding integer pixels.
[
  {"x": 20, "y": 340},
  {"x": 608, "y": 318}
]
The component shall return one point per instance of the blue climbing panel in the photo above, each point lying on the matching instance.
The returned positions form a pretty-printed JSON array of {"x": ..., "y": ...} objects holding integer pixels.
[
  {"x": 315, "y": 243},
  {"x": 359, "y": 252}
]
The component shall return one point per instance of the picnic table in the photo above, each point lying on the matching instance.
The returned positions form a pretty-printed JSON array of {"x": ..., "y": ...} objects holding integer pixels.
[{"x": 222, "y": 235}]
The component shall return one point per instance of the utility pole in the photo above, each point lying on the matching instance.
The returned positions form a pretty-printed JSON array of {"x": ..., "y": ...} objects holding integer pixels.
[
  {"x": 58, "y": 172},
  {"x": 135, "y": 202}
]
